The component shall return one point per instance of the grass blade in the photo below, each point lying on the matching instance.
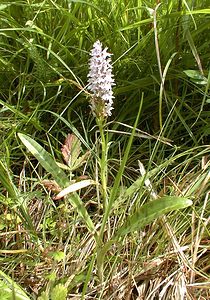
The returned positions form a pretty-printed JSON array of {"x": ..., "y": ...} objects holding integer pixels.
[{"x": 16, "y": 196}]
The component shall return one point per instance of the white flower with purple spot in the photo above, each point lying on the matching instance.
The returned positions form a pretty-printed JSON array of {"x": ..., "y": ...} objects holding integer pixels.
[{"x": 100, "y": 81}]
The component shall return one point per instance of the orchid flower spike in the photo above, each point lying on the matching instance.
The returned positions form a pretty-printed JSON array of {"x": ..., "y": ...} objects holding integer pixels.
[{"x": 100, "y": 81}]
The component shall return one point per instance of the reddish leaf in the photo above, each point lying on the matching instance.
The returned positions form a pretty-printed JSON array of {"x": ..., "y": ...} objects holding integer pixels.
[
  {"x": 71, "y": 149},
  {"x": 51, "y": 185}
]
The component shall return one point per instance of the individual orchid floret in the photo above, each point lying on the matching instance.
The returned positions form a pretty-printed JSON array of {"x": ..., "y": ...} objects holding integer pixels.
[{"x": 100, "y": 81}]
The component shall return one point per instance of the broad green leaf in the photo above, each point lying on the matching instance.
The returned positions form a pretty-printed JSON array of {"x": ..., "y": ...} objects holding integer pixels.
[
  {"x": 45, "y": 159},
  {"x": 151, "y": 211},
  {"x": 196, "y": 76},
  {"x": 10, "y": 290}
]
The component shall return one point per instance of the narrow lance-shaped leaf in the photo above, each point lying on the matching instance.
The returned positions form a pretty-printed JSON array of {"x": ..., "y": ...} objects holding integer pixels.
[
  {"x": 145, "y": 215},
  {"x": 45, "y": 159},
  {"x": 151, "y": 211}
]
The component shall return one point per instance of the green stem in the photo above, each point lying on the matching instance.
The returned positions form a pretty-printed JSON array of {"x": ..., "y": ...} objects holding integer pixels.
[
  {"x": 101, "y": 251},
  {"x": 103, "y": 176},
  {"x": 114, "y": 191},
  {"x": 103, "y": 163}
]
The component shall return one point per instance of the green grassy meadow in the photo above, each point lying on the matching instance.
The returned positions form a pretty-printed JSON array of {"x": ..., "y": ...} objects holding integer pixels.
[{"x": 113, "y": 209}]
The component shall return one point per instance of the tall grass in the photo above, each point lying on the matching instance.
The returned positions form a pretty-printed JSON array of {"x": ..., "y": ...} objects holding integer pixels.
[{"x": 49, "y": 247}]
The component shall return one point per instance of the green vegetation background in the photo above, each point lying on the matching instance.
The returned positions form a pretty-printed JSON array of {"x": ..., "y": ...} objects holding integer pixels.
[{"x": 160, "y": 55}]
